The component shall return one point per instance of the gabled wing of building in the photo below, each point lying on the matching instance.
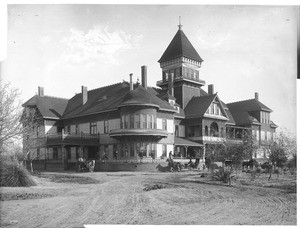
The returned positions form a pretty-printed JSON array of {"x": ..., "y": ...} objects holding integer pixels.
[
  {"x": 98, "y": 100},
  {"x": 111, "y": 98},
  {"x": 241, "y": 111},
  {"x": 198, "y": 106},
  {"x": 49, "y": 107}
]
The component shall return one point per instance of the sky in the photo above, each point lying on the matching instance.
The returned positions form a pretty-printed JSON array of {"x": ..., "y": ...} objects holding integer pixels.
[{"x": 246, "y": 49}]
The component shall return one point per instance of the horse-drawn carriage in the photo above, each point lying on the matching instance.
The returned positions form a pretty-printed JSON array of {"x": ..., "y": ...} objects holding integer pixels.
[
  {"x": 85, "y": 165},
  {"x": 177, "y": 166}
]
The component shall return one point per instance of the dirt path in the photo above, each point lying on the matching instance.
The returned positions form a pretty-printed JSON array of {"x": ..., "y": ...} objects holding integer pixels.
[{"x": 119, "y": 198}]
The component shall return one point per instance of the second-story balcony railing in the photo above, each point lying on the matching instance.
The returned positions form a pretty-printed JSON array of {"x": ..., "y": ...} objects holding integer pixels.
[
  {"x": 159, "y": 133},
  {"x": 70, "y": 138},
  {"x": 186, "y": 78}
]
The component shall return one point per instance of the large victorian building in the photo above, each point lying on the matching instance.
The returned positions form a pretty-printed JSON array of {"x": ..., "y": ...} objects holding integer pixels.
[{"x": 118, "y": 123}]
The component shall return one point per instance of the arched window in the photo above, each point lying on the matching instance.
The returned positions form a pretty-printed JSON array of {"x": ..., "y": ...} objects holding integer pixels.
[
  {"x": 206, "y": 131},
  {"x": 214, "y": 129}
]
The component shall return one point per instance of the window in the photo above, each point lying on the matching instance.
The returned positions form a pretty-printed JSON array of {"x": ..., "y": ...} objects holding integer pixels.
[
  {"x": 214, "y": 129},
  {"x": 262, "y": 135},
  {"x": 211, "y": 109},
  {"x": 153, "y": 149},
  {"x": 144, "y": 149},
  {"x": 115, "y": 152},
  {"x": 164, "y": 124},
  {"x": 131, "y": 149},
  {"x": 122, "y": 122},
  {"x": 153, "y": 122},
  {"x": 38, "y": 153},
  {"x": 177, "y": 72},
  {"x": 106, "y": 150},
  {"x": 76, "y": 129},
  {"x": 164, "y": 150},
  {"x": 176, "y": 130},
  {"x": 105, "y": 127},
  {"x": 93, "y": 128},
  {"x": 144, "y": 121},
  {"x": 137, "y": 121},
  {"x": 68, "y": 149},
  {"x": 131, "y": 121},
  {"x": 77, "y": 152},
  {"x": 266, "y": 135},
  {"x": 126, "y": 121},
  {"x": 149, "y": 122},
  {"x": 217, "y": 110},
  {"x": 206, "y": 131},
  {"x": 55, "y": 153},
  {"x": 68, "y": 129}
]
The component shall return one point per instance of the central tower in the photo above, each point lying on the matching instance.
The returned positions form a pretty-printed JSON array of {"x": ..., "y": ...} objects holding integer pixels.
[{"x": 180, "y": 65}]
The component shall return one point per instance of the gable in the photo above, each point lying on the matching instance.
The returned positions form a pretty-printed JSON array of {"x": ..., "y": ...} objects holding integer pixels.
[{"x": 216, "y": 109}]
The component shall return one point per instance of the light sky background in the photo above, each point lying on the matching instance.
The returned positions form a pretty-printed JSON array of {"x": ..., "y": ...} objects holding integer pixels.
[{"x": 245, "y": 49}]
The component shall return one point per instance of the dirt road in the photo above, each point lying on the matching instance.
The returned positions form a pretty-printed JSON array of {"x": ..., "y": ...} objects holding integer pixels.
[{"x": 120, "y": 198}]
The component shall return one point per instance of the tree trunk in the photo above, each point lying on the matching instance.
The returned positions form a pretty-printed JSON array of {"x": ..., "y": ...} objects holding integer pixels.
[
  {"x": 31, "y": 166},
  {"x": 270, "y": 175}
]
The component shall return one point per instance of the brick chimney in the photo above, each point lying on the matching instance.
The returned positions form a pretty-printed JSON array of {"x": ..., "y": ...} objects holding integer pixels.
[
  {"x": 171, "y": 84},
  {"x": 41, "y": 91},
  {"x": 130, "y": 81},
  {"x": 256, "y": 95},
  {"x": 144, "y": 76},
  {"x": 211, "y": 89},
  {"x": 84, "y": 94}
]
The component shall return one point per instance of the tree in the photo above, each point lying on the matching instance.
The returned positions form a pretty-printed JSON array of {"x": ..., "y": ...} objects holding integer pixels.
[
  {"x": 281, "y": 149},
  {"x": 237, "y": 152},
  {"x": 10, "y": 113},
  {"x": 31, "y": 119},
  {"x": 15, "y": 123}
]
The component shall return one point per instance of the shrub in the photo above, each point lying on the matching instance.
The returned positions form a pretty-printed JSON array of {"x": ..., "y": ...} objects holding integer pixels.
[
  {"x": 221, "y": 175},
  {"x": 13, "y": 174}
]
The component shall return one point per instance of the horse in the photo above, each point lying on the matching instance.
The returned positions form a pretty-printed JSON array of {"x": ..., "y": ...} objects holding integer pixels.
[
  {"x": 85, "y": 165},
  {"x": 163, "y": 168},
  {"x": 91, "y": 165},
  {"x": 177, "y": 166},
  {"x": 249, "y": 163},
  {"x": 192, "y": 165}
]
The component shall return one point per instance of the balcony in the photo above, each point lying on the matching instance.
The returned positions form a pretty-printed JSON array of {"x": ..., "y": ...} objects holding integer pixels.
[
  {"x": 184, "y": 78},
  {"x": 158, "y": 133},
  {"x": 70, "y": 138},
  {"x": 207, "y": 139}
]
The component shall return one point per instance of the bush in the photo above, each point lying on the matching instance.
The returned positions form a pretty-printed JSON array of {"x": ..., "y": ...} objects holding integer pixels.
[
  {"x": 13, "y": 174},
  {"x": 221, "y": 175}
]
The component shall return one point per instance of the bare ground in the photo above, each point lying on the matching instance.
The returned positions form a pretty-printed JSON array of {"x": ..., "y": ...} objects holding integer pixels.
[{"x": 72, "y": 199}]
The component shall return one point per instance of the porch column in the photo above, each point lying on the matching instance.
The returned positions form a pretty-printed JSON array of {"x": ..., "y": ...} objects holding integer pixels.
[
  {"x": 46, "y": 157},
  {"x": 64, "y": 157},
  {"x": 204, "y": 151}
]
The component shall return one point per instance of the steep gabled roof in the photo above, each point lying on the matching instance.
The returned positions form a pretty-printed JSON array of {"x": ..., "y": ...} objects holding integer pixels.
[
  {"x": 49, "y": 107},
  {"x": 240, "y": 111},
  {"x": 180, "y": 46},
  {"x": 249, "y": 105},
  {"x": 111, "y": 98},
  {"x": 197, "y": 106},
  {"x": 99, "y": 100},
  {"x": 242, "y": 117}
]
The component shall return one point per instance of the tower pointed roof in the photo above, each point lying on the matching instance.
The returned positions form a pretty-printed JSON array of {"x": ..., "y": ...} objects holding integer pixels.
[{"x": 180, "y": 46}]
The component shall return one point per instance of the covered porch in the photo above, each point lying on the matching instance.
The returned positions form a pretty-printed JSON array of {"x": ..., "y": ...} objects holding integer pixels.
[{"x": 184, "y": 148}]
